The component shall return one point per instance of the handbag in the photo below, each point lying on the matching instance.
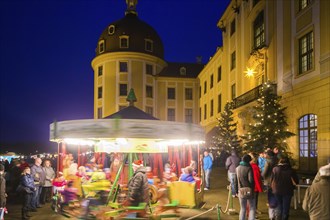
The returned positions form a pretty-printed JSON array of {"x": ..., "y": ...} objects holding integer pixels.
[
  {"x": 245, "y": 192},
  {"x": 22, "y": 188}
]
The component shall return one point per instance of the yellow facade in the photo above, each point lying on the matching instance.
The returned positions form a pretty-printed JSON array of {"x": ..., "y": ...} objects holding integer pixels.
[
  {"x": 267, "y": 37},
  {"x": 280, "y": 61}
]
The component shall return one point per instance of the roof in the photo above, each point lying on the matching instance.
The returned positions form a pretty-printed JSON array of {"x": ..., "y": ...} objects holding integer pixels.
[
  {"x": 177, "y": 70},
  {"x": 137, "y": 32},
  {"x": 131, "y": 112}
]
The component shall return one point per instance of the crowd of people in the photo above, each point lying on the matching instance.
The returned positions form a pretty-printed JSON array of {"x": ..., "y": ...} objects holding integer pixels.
[
  {"x": 30, "y": 181},
  {"x": 271, "y": 172}
]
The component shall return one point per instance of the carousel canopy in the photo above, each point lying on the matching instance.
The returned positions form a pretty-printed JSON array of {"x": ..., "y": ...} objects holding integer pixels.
[{"x": 129, "y": 130}]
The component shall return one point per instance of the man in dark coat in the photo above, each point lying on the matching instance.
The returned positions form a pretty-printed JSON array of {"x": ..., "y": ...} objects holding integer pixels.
[
  {"x": 138, "y": 188},
  {"x": 283, "y": 181},
  {"x": 39, "y": 177}
]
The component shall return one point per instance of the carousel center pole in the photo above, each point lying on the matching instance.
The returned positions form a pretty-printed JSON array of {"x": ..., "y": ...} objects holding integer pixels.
[
  {"x": 58, "y": 158},
  {"x": 130, "y": 169}
]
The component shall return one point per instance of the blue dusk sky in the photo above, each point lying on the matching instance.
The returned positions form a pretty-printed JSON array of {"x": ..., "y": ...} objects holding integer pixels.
[{"x": 46, "y": 49}]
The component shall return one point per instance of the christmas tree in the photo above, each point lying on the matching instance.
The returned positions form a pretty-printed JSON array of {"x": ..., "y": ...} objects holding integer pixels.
[
  {"x": 226, "y": 136},
  {"x": 269, "y": 127}
]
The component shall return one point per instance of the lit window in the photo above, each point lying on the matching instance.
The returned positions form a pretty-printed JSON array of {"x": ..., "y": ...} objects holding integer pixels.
[
  {"x": 232, "y": 27},
  {"x": 306, "y": 53},
  {"x": 123, "y": 41},
  {"x": 123, "y": 89},
  {"x": 233, "y": 60},
  {"x": 149, "y": 69},
  {"x": 188, "y": 115},
  {"x": 303, "y": 4},
  {"x": 149, "y": 91},
  {"x": 308, "y": 136},
  {"x": 188, "y": 93},
  {"x": 149, "y": 45},
  {"x": 233, "y": 91},
  {"x": 171, "y": 114},
  {"x": 101, "y": 46},
  {"x": 219, "y": 73},
  {"x": 259, "y": 31},
  {"x": 99, "y": 92},
  {"x": 170, "y": 93},
  {"x": 123, "y": 67}
]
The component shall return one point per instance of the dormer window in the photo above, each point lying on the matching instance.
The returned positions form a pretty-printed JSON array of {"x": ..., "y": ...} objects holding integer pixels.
[
  {"x": 111, "y": 29},
  {"x": 101, "y": 46},
  {"x": 183, "y": 71},
  {"x": 149, "y": 45},
  {"x": 124, "y": 43}
]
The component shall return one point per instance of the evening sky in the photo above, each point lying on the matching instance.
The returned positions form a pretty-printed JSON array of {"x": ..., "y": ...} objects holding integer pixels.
[{"x": 46, "y": 49}]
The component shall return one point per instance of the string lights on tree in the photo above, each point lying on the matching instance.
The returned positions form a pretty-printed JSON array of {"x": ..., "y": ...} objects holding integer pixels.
[
  {"x": 270, "y": 127},
  {"x": 226, "y": 135}
]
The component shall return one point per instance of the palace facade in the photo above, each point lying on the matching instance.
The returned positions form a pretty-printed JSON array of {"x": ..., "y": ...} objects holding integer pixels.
[{"x": 284, "y": 42}]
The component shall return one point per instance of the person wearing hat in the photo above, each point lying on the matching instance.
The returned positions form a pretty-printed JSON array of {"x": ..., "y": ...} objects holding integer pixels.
[
  {"x": 138, "y": 188},
  {"x": 316, "y": 201},
  {"x": 3, "y": 194},
  {"x": 245, "y": 180}
]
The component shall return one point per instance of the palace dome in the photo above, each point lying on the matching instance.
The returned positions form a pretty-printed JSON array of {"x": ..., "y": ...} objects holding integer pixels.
[{"x": 130, "y": 34}]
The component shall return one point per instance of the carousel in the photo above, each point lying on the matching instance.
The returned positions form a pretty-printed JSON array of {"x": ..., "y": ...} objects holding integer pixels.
[{"x": 135, "y": 135}]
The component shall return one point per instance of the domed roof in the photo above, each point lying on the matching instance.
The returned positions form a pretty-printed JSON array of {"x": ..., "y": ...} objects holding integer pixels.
[{"x": 140, "y": 36}]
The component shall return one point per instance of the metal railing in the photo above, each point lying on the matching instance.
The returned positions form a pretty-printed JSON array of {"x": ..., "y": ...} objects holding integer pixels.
[{"x": 251, "y": 96}]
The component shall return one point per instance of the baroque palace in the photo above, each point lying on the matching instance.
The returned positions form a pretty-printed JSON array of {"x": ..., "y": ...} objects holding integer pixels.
[{"x": 285, "y": 42}]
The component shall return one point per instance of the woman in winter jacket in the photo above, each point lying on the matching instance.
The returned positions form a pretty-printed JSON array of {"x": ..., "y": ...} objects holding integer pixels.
[
  {"x": 245, "y": 179},
  {"x": 27, "y": 182},
  {"x": 283, "y": 182},
  {"x": 256, "y": 178}
]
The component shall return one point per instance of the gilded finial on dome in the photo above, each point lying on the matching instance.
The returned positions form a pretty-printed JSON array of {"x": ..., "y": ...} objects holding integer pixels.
[{"x": 131, "y": 6}]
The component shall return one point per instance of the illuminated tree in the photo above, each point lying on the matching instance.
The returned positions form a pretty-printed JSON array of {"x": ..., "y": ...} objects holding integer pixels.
[
  {"x": 226, "y": 136},
  {"x": 269, "y": 127}
]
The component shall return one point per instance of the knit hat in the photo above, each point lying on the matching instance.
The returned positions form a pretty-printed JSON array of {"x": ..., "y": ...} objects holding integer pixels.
[
  {"x": 325, "y": 170},
  {"x": 138, "y": 163},
  {"x": 246, "y": 158}
]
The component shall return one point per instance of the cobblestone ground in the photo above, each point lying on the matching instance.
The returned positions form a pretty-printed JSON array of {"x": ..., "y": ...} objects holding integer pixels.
[{"x": 218, "y": 194}]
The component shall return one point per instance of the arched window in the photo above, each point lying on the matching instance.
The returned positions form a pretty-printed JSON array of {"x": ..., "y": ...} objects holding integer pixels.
[{"x": 308, "y": 136}]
